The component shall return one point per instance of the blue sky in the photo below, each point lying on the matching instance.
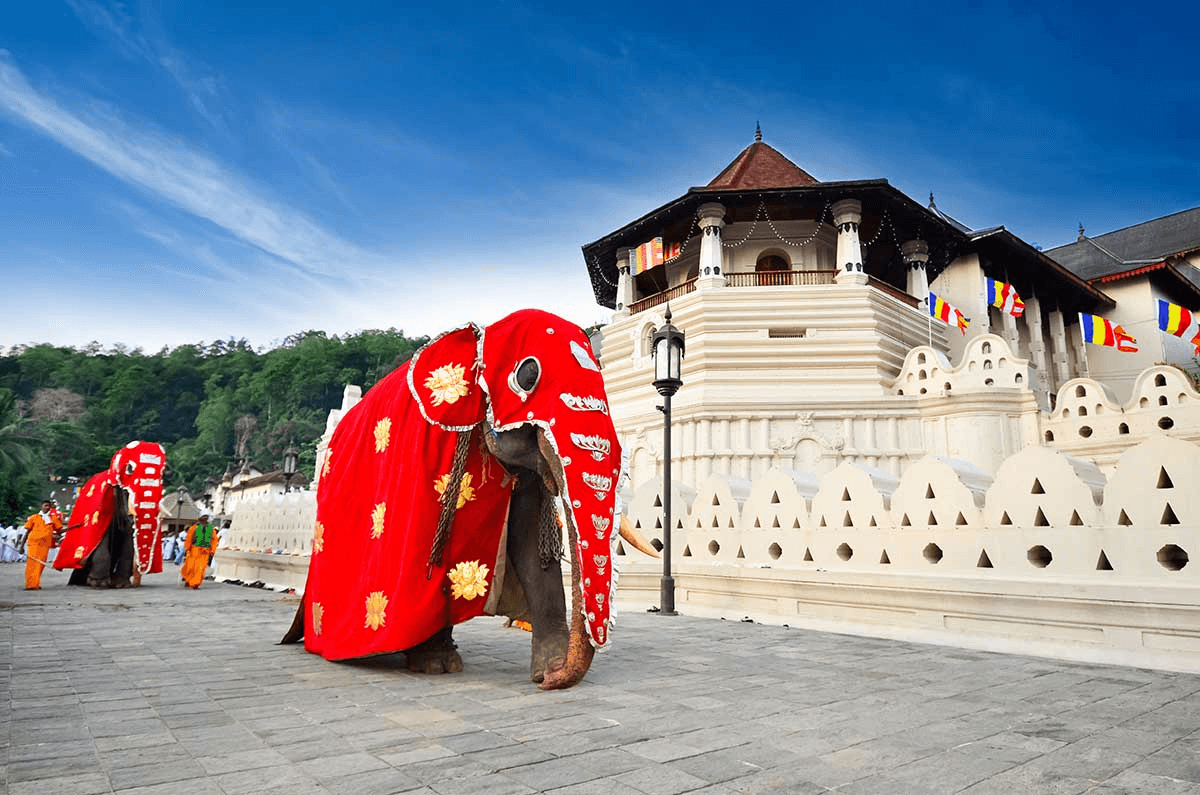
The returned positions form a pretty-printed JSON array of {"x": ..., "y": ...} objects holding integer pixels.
[{"x": 179, "y": 171}]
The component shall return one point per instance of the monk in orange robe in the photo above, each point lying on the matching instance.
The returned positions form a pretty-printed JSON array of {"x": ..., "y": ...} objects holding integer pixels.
[
  {"x": 199, "y": 547},
  {"x": 42, "y": 528}
]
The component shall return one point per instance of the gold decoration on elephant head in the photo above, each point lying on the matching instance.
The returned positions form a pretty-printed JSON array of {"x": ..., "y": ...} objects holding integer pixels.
[
  {"x": 317, "y": 611},
  {"x": 468, "y": 580},
  {"x": 318, "y": 538},
  {"x": 466, "y": 492},
  {"x": 376, "y": 610},
  {"x": 79, "y": 552},
  {"x": 326, "y": 463},
  {"x": 96, "y": 517},
  {"x": 447, "y": 384},
  {"x": 377, "y": 519},
  {"x": 383, "y": 434}
]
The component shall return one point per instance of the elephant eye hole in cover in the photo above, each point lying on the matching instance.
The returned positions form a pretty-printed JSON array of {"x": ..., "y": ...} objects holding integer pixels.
[{"x": 525, "y": 377}]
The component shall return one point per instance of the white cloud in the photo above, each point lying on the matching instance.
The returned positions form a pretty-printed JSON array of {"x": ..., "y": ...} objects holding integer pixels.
[{"x": 191, "y": 180}]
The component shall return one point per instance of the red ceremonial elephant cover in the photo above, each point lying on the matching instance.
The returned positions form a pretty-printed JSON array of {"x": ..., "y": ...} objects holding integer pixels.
[
  {"x": 89, "y": 519},
  {"x": 374, "y": 584},
  {"x": 138, "y": 468}
]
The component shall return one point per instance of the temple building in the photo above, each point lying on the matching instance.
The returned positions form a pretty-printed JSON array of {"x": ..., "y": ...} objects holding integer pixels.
[{"x": 842, "y": 460}]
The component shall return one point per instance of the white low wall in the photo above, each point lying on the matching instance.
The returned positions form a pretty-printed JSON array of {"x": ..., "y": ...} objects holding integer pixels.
[{"x": 1050, "y": 557}]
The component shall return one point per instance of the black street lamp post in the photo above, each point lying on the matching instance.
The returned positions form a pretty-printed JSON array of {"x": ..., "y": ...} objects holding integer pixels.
[
  {"x": 289, "y": 466},
  {"x": 668, "y": 357}
]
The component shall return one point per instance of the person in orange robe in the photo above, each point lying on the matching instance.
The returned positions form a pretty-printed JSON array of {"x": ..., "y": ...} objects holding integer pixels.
[
  {"x": 42, "y": 528},
  {"x": 199, "y": 547}
]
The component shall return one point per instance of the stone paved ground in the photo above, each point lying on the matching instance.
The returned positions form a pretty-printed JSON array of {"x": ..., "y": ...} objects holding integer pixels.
[{"x": 163, "y": 690}]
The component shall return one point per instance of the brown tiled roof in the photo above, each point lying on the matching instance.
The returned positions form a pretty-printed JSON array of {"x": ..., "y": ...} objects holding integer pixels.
[{"x": 760, "y": 166}]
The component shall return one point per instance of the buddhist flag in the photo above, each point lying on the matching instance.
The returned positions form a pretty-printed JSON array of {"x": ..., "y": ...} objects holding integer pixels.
[
  {"x": 1099, "y": 331},
  {"x": 671, "y": 251},
  {"x": 1005, "y": 297},
  {"x": 1180, "y": 322},
  {"x": 647, "y": 256},
  {"x": 945, "y": 312}
]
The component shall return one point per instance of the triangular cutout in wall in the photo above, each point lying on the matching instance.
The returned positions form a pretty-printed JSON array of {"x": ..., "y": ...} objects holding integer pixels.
[
  {"x": 984, "y": 561},
  {"x": 1037, "y": 487},
  {"x": 1004, "y": 519},
  {"x": 1039, "y": 520},
  {"x": 884, "y": 559},
  {"x": 929, "y": 491},
  {"x": 1164, "y": 480},
  {"x": 1124, "y": 519},
  {"x": 774, "y": 498},
  {"x": 960, "y": 521},
  {"x": 845, "y": 495},
  {"x": 1076, "y": 521},
  {"x": 808, "y": 558},
  {"x": 1102, "y": 564},
  {"x": 1169, "y": 516}
]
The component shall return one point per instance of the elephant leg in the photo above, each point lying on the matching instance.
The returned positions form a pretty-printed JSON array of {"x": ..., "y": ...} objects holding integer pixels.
[
  {"x": 543, "y": 586},
  {"x": 438, "y": 655}
]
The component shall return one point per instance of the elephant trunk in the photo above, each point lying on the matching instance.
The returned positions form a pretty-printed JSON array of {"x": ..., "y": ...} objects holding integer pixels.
[{"x": 579, "y": 647}]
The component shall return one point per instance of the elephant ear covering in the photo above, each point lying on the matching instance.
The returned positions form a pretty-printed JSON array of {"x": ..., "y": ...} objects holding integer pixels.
[
  {"x": 380, "y": 580},
  {"x": 571, "y": 409},
  {"x": 138, "y": 466},
  {"x": 89, "y": 519}
]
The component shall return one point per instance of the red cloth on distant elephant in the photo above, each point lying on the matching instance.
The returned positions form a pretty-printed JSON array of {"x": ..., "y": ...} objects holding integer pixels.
[
  {"x": 89, "y": 520},
  {"x": 136, "y": 467},
  {"x": 371, "y": 587}
]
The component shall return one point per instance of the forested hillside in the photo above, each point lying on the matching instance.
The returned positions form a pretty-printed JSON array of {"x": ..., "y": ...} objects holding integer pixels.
[{"x": 65, "y": 411}]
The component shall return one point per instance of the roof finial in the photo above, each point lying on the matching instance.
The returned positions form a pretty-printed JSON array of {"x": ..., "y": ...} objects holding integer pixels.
[
  {"x": 757, "y": 133},
  {"x": 1081, "y": 235},
  {"x": 931, "y": 204}
]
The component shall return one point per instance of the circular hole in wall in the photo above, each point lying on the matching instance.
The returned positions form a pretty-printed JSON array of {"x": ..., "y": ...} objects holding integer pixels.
[
  {"x": 1085, "y": 431},
  {"x": 774, "y": 551},
  {"x": 713, "y": 547},
  {"x": 1166, "y": 423},
  {"x": 1039, "y": 556},
  {"x": 845, "y": 552},
  {"x": 1172, "y": 557},
  {"x": 932, "y": 553}
]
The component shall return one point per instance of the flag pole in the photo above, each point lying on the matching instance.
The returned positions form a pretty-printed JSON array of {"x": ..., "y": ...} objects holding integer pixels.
[{"x": 1087, "y": 370}]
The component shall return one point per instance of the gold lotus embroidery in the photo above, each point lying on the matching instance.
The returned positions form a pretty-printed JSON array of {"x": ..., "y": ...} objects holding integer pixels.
[
  {"x": 317, "y": 612},
  {"x": 466, "y": 492},
  {"x": 468, "y": 580},
  {"x": 447, "y": 384},
  {"x": 377, "y": 519},
  {"x": 318, "y": 538},
  {"x": 383, "y": 433},
  {"x": 376, "y": 610},
  {"x": 79, "y": 552}
]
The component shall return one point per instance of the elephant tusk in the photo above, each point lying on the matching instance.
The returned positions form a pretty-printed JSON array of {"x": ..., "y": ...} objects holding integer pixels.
[{"x": 635, "y": 538}]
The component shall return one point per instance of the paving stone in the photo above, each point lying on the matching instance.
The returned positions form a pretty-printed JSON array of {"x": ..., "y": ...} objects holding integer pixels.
[{"x": 108, "y": 693}]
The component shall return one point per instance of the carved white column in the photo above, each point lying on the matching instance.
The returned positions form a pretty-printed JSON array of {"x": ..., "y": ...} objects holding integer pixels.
[
  {"x": 624, "y": 285},
  {"x": 1037, "y": 343},
  {"x": 1058, "y": 335},
  {"x": 847, "y": 215},
  {"x": 916, "y": 256},
  {"x": 712, "y": 253}
]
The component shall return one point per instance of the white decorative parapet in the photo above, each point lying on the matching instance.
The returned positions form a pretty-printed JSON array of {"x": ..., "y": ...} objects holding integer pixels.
[
  {"x": 1049, "y": 557},
  {"x": 270, "y": 540}
]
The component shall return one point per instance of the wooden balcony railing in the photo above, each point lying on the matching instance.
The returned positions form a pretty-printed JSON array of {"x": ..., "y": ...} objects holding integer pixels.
[
  {"x": 661, "y": 298},
  {"x": 771, "y": 279},
  {"x": 779, "y": 278}
]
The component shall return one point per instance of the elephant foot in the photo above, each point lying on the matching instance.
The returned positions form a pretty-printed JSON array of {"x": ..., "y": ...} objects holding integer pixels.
[
  {"x": 438, "y": 655},
  {"x": 549, "y": 654}
]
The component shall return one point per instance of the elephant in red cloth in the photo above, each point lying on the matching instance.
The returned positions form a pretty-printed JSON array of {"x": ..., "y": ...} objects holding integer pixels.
[
  {"x": 439, "y": 500},
  {"x": 113, "y": 537}
]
